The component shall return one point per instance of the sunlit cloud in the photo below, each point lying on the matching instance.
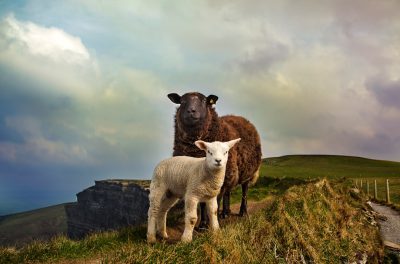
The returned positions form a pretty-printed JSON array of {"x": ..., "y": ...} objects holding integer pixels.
[
  {"x": 51, "y": 42},
  {"x": 83, "y": 84}
]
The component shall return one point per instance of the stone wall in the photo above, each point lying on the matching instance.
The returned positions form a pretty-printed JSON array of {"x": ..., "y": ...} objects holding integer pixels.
[{"x": 109, "y": 204}]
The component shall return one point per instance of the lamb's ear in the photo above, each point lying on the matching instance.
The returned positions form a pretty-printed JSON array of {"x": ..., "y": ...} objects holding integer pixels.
[
  {"x": 201, "y": 144},
  {"x": 233, "y": 142},
  {"x": 212, "y": 99},
  {"x": 175, "y": 98}
]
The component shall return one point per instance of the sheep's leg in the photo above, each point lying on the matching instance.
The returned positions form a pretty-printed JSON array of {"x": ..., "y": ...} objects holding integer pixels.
[
  {"x": 219, "y": 197},
  {"x": 203, "y": 217},
  {"x": 226, "y": 204},
  {"x": 166, "y": 204},
  {"x": 243, "y": 205},
  {"x": 190, "y": 218},
  {"x": 212, "y": 210}
]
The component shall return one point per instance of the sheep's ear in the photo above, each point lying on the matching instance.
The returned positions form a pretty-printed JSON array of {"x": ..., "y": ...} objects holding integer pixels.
[
  {"x": 175, "y": 98},
  {"x": 201, "y": 144},
  {"x": 212, "y": 99},
  {"x": 233, "y": 142}
]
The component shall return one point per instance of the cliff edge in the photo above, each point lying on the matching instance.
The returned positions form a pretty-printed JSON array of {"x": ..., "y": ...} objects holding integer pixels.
[{"x": 109, "y": 204}]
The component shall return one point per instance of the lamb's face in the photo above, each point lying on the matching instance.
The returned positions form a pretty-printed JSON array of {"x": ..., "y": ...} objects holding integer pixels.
[
  {"x": 217, "y": 155},
  {"x": 193, "y": 109},
  {"x": 216, "y": 152}
]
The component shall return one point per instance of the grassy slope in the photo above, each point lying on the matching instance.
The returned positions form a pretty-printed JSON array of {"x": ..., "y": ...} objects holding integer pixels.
[
  {"x": 283, "y": 232},
  {"x": 315, "y": 221},
  {"x": 42, "y": 223}
]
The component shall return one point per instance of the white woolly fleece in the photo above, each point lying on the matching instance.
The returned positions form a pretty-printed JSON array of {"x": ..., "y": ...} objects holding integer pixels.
[{"x": 193, "y": 179}]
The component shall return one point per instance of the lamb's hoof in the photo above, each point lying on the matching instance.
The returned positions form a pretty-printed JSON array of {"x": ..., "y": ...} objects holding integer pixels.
[
  {"x": 186, "y": 239},
  {"x": 151, "y": 239}
]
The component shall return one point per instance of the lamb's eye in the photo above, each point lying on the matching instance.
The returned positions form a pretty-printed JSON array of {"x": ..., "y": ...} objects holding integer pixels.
[
  {"x": 226, "y": 152},
  {"x": 209, "y": 152}
]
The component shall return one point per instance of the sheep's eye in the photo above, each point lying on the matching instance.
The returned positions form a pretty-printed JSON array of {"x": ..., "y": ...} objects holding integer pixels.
[
  {"x": 226, "y": 152},
  {"x": 209, "y": 152}
]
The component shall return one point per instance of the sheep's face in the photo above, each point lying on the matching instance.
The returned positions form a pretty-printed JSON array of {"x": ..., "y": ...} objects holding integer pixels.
[
  {"x": 216, "y": 152},
  {"x": 193, "y": 109}
]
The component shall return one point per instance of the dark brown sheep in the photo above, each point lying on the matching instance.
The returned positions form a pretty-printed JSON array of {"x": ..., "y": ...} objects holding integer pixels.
[{"x": 197, "y": 119}]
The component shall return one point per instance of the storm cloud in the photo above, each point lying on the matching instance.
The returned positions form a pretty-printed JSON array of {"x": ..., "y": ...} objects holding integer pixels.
[
  {"x": 83, "y": 84},
  {"x": 386, "y": 92}
]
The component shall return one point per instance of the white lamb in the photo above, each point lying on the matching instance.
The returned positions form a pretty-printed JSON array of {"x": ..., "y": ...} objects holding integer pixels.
[{"x": 194, "y": 179}]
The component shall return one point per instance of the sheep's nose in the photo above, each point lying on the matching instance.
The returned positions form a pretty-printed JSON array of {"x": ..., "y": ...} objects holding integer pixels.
[
  {"x": 191, "y": 110},
  {"x": 218, "y": 161}
]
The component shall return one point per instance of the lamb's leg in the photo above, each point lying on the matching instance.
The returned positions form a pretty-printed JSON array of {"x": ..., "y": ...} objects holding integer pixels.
[
  {"x": 243, "y": 205},
  {"x": 203, "y": 217},
  {"x": 190, "y": 218},
  {"x": 212, "y": 210},
  {"x": 151, "y": 228},
  {"x": 166, "y": 204},
  {"x": 226, "y": 204},
  {"x": 152, "y": 216}
]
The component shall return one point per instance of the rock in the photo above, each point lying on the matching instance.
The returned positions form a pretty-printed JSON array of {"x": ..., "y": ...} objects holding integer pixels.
[{"x": 109, "y": 204}]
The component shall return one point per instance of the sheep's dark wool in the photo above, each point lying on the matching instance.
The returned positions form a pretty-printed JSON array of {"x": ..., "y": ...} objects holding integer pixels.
[{"x": 197, "y": 119}]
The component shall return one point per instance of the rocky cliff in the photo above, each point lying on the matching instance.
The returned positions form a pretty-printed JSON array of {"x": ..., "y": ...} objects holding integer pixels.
[{"x": 109, "y": 204}]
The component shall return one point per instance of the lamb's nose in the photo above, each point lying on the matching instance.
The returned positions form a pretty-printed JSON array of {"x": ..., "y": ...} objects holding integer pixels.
[
  {"x": 218, "y": 161},
  {"x": 191, "y": 110}
]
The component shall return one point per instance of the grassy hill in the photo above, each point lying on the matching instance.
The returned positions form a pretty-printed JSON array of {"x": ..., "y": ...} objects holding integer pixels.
[
  {"x": 304, "y": 221},
  {"x": 278, "y": 173},
  {"x": 41, "y": 224},
  {"x": 313, "y": 222},
  {"x": 329, "y": 166}
]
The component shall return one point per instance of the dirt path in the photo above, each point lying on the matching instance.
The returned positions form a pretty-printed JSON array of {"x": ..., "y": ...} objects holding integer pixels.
[
  {"x": 175, "y": 233},
  {"x": 390, "y": 228}
]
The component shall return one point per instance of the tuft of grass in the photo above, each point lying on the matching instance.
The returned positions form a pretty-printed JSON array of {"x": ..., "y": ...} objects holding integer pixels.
[
  {"x": 266, "y": 186},
  {"x": 323, "y": 223},
  {"x": 316, "y": 222}
]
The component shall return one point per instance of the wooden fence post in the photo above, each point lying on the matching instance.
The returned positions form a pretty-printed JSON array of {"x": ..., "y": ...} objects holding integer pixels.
[
  {"x": 376, "y": 191},
  {"x": 367, "y": 188},
  {"x": 361, "y": 185},
  {"x": 387, "y": 192},
  {"x": 356, "y": 183}
]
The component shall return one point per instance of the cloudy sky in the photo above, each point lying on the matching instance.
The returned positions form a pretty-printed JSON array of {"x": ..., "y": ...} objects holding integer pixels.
[{"x": 83, "y": 84}]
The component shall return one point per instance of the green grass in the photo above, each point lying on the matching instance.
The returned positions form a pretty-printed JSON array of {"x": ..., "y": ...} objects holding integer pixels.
[
  {"x": 319, "y": 223},
  {"x": 316, "y": 222},
  {"x": 278, "y": 173},
  {"x": 329, "y": 166},
  {"x": 42, "y": 224}
]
